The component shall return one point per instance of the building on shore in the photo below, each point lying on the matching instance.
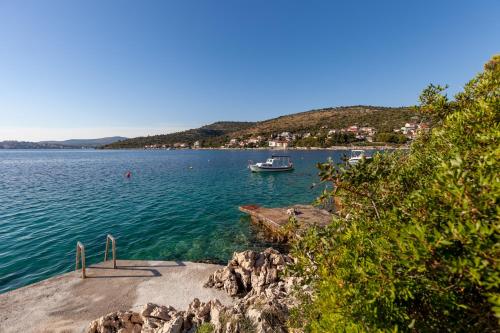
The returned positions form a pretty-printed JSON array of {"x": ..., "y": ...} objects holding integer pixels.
[{"x": 278, "y": 144}]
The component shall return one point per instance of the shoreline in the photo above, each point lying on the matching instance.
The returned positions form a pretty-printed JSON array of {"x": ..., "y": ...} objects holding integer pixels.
[
  {"x": 342, "y": 148},
  {"x": 271, "y": 149}
]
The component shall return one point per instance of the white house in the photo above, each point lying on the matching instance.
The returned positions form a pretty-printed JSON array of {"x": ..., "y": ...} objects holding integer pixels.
[
  {"x": 409, "y": 128},
  {"x": 278, "y": 144}
]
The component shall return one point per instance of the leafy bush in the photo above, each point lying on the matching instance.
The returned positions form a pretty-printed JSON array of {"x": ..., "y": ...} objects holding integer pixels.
[
  {"x": 415, "y": 245},
  {"x": 205, "y": 328},
  {"x": 391, "y": 138}
]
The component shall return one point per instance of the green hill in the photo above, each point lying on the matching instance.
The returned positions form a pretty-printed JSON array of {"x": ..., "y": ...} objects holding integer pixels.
[
  {"x": 384, "y": 119},
  {"x": 205, "y": 133}
]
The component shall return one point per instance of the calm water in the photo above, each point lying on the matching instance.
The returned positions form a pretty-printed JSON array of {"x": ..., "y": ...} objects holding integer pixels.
[{"x": 167, "y": 210}]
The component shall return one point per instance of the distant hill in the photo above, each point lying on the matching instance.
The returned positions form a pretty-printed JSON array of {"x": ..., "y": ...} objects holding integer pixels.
[
  {"x": 215, "y": 131},
  {"x": 87, "y": 143},
  {"x": 384, "y": 119},
  {"x": 30, "y": 145},
  {"x": 65, "y": 144}
]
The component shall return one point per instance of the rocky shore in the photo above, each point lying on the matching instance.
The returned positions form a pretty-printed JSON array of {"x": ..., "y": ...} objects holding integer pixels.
[{"x": 264, "y": 299}]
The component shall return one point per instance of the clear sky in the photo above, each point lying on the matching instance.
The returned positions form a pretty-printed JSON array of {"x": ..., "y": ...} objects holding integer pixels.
[{"x": 93, "y": 68}]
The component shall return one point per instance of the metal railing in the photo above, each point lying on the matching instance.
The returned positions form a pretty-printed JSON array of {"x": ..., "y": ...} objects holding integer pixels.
[
  {"x": 80, "y": 252},
  {"x": 113, "y": 249}
]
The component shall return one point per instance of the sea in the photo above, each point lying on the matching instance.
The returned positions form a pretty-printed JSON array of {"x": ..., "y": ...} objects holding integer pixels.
[{"x": 176, "y": 205}]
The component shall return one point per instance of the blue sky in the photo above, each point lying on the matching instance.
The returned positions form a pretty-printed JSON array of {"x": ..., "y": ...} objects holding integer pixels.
[{"x": 101, "y": 68}]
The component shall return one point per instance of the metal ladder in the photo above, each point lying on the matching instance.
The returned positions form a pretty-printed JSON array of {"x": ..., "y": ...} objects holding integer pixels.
[
  {"x": 113, "y": 249},
  {"x": 80, "y": 254}
]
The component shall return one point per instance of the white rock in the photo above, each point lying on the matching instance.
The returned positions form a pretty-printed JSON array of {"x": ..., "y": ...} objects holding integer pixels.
[{"x": 173, "y": 326}]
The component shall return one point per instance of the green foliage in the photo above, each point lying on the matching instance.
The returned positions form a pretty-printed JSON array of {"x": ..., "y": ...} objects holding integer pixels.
[
  {"x": 392, "y": 138},
  {"x": 247, "y": 326},
  {"x": 434, "y": 102},
  {"x": 324, "y": 141},
  {"x": 415, "y": 245},
  {"x": 205, "y": 328}
]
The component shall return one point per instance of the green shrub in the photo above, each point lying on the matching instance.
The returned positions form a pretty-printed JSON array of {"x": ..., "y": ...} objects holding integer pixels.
[
  {"x": 416, "y": 244},
  {"x": 205, "y": 328},
  {"x": 391, "y": 138}
]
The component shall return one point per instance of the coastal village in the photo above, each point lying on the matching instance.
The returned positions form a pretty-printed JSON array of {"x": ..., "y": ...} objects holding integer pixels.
[{"x": 325, "y": 137}]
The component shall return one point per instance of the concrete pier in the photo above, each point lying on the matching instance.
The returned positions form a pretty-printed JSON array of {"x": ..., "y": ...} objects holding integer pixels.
[
  {"x": 67, "y": 303},
  {"x": 275, "y": 219}
]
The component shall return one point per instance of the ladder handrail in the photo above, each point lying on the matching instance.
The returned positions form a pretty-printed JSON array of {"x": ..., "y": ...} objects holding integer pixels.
[
  {"x": 80, "y": 251},
  {"x": 113, "y": 249}
]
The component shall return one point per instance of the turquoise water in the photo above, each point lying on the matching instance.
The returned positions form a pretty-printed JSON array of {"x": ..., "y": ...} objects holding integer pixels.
[{"x": 49, "y": 199}]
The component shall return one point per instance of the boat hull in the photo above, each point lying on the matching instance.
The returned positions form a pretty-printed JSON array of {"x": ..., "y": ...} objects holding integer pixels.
[
  {"x": 255, "y": 168},
  {"x": 356, "y": 160}
]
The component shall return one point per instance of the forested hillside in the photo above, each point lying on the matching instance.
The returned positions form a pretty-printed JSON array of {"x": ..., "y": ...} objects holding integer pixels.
[
  {"x": 384, "y": 119},
  {"x": 215, "y": 132}
]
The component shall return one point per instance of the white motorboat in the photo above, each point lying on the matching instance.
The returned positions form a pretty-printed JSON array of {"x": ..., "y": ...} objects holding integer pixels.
[
  {"x": 357, "y": 155},
  {"x": 273, "y": 164}
]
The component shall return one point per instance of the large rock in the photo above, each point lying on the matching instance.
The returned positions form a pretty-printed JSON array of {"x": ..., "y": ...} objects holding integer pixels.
[
  {"x": 265, "y": 297},
  {"x": 174, "y": 325},
  {"x": 152, "y": 319},
  {"x": 157, "y": 311},
  {"x": 123, "y": 322},
  {"x": 248, "y": 271}
]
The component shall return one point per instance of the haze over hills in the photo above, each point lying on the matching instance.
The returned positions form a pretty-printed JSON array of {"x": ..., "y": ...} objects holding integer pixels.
[
  {"x": 64, "y": 144},
  {"x": 87, "y": 142},
  {"x": 384, "y": 119}
]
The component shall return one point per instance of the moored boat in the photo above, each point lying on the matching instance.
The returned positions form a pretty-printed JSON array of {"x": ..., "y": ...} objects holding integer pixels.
[
  {"x": 275, "y": 163},
  {"x": 357, "y": 155}
]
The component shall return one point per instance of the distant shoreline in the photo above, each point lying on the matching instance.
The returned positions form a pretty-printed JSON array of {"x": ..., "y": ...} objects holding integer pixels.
[
  {"x": 290, "y": 148},
  {"x": 222, "y": 149}
]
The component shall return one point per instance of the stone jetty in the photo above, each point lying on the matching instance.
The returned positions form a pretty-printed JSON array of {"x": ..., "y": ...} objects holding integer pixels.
[
  {"x": 250, "y": 293},
  {"x": 275, "y": 220},
  {"x": 67, "y": 303},
  {"x": 263, "y": 300}
]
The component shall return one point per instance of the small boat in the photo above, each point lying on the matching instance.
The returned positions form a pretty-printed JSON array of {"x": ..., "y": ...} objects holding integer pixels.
[
  {"x": 357, "y": 155},
  {"x": 273, "y": 164}
]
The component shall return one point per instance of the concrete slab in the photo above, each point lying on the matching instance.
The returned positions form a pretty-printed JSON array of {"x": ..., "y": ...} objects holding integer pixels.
[
  {"x": 275, "y": 219},
  {"x": 67, "y": 303}
]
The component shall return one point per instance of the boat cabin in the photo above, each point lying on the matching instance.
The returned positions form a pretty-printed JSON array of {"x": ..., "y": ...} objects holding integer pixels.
[
  {"x": 278, "y": 161},
  {"x": 274, "y": 163}
]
